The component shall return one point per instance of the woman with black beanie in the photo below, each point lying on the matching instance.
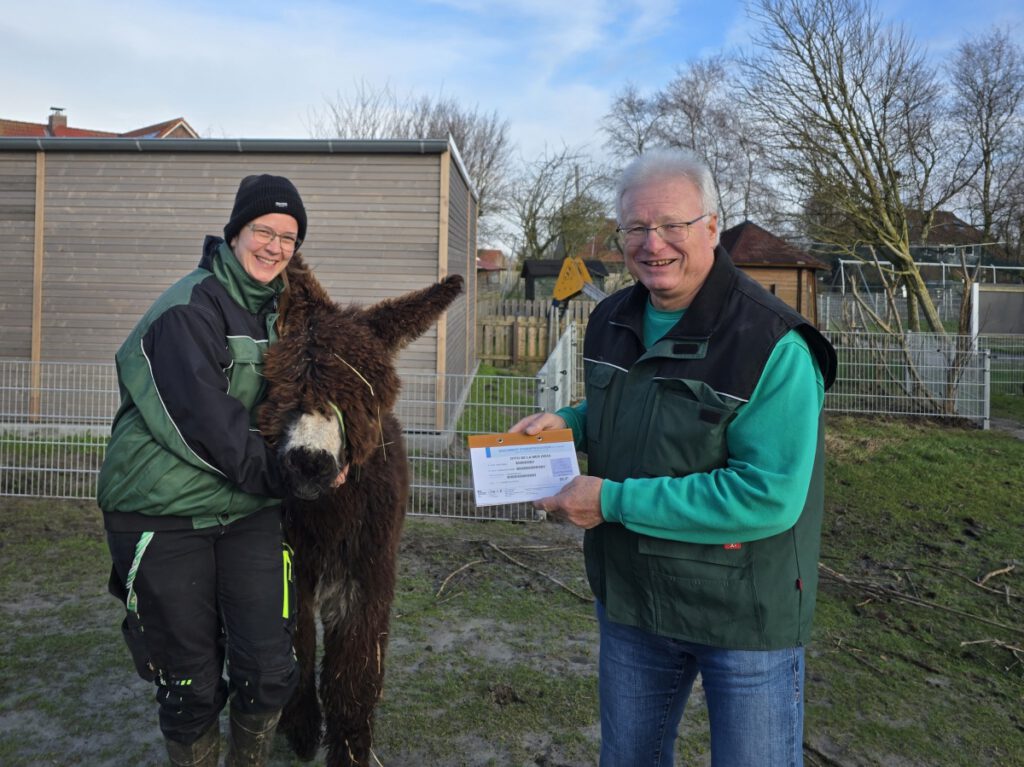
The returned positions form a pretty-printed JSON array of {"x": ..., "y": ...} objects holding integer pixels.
[{"x": 190, "y": 490}]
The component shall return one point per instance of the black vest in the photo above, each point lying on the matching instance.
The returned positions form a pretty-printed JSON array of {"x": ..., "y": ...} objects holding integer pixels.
[{"x": 664, "y": 411}]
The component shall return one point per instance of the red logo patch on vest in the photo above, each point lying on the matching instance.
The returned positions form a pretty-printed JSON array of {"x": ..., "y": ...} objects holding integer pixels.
[{"x": 732, "y": 546}]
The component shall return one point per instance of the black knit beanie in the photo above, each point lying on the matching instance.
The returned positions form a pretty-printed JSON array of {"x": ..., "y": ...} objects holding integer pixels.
[{"x": 259, "y": 195}]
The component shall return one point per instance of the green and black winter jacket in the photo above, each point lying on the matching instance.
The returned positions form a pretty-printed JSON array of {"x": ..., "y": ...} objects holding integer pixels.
[
  {"x": 184, "y": 450},
  {"x": 656, "y": 424}
]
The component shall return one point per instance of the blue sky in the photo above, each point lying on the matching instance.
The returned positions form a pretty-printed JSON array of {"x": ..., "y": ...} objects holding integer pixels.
[{"x": 257, "y": 69}]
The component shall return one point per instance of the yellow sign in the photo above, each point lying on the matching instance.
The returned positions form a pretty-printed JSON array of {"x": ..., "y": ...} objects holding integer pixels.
[{"x": 571, "y": 279}]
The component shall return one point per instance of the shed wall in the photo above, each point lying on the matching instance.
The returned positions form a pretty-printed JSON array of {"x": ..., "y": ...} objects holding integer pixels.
[
  {"x": 17, "y": 221},
  {"x": 121, "y": 227},
  {"x": 793, "y": 285}
]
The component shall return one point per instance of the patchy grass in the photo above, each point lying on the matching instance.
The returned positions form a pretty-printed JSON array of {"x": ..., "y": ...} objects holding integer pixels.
[
  {"x": 915, "y": 662},
  {"x": 1009, "y": 406}
]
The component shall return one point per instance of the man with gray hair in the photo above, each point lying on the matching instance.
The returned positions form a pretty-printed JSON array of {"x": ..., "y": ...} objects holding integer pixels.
[{"x": 703, "y": 430}]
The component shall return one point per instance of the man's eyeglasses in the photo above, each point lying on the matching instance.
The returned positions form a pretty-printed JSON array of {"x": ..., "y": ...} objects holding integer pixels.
[
  {"x": 264, "y": 235},
  {"x": 673, "y": 234}
]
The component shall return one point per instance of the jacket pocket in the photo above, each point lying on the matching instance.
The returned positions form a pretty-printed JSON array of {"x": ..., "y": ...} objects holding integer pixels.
[
  {"x": 245, "y": 376},
  {"x": 131, "y": 630},
  {"x": 685, "y": 430},
  {"x": 703, "y": 592},
  {"x": 599, "y": 380}
]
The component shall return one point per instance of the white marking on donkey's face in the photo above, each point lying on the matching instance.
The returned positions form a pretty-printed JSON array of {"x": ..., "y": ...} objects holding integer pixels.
[
  {"x": 312, "y": 455},
  {"x": 315, "y": 432}
]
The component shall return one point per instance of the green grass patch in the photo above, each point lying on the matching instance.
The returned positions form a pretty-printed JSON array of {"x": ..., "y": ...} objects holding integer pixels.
[
  {"x": 915, "y": 658},
  {"x": 1008, "y": 406}
]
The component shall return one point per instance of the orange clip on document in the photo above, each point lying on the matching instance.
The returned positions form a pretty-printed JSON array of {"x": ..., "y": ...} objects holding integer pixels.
[{"x": 516, "y": 468}]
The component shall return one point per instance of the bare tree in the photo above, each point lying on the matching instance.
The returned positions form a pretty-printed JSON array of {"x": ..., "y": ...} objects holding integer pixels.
[
  {"x": 482, "y": 137},
  {"x": 853, "y": 114},
  {"x": 698, "y": 110},
  {"x": 557, "y": 204},
  {"x": 987, "y": 75},
  {"x": 631, "y": 123}
]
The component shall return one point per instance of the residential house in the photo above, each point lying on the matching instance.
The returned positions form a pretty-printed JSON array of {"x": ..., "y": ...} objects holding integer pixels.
[
  {"x": 57, "y": 127},
  {"x": 489, "y": 265}
]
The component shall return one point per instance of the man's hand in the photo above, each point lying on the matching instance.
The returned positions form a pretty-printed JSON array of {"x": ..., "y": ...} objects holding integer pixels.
[
  {"x": 538, "y": 422},
  {"x": 579, "y": 502}
]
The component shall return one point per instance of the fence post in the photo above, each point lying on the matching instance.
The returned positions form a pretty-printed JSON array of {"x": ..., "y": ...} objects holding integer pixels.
[
  {"x": 986, "y": 421},
  {"x": 515, "y": 340}
]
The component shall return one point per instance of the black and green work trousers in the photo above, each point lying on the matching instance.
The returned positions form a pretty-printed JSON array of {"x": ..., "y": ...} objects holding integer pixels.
[{"x": 197, "y": 598}]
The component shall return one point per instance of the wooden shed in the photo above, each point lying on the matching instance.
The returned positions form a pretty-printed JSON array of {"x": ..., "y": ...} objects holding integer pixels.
[
  {"x": 94, "y": 229},
  {"x": 784, "y": 269}
]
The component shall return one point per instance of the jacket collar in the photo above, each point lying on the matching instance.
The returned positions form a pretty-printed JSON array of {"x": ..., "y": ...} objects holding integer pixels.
[
  {"x": 251, "y": 294},
  {"x": 703, "y": 314}
]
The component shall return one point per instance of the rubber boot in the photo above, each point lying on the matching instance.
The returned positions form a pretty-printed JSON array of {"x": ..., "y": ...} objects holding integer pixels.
[
  {"x": 252, "y": 736},
  {"x": 205, "y": 752}
]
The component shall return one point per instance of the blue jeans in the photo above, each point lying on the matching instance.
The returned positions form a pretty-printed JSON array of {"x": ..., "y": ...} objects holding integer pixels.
[{"x": 754, "y": 698}]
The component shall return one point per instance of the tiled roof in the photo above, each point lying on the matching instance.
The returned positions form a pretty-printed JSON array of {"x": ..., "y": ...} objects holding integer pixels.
[
  {"x": 162, "y": 130},
  {"x": 19, "y": 129},
  {"x": 751, "y": 245},
  {"x": 490, "y": 260},
  {"x": 946, "y": 229},
  {"x": 15, "y": 128}
]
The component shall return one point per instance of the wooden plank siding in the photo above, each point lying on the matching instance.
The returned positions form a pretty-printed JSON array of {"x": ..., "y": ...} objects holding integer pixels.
[
  {"x": 121, "y": 221},
  {"x": 793, "y": 285},
  {"x": 118, "y": 233},
  {"x": 17, "y": 240}
]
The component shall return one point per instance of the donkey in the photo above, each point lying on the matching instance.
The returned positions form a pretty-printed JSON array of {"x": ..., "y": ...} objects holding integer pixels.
[{"x": 332, "y": 386}]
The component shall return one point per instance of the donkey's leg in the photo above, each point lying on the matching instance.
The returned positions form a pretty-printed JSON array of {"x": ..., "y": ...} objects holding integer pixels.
[
  {"x": 352, "y": 681},
  {"x": 301, "y": 720}
]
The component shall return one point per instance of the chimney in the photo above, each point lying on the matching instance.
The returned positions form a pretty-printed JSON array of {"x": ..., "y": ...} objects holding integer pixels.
[{"x": 57, "y": 120}]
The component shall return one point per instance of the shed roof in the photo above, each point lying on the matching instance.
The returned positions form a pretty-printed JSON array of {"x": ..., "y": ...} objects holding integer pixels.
[
  {"x": 752, "y": 245},
  {"x": 240, "y": 145}
]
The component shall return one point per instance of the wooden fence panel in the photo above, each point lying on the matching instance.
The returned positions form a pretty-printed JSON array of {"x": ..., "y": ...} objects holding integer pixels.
[
  {"x": 510, "y": 341},
  {"x": 576, "y": 310}
]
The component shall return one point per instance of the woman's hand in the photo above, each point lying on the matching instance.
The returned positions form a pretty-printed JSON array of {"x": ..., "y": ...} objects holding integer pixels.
[{"x": 342, "y": 476}]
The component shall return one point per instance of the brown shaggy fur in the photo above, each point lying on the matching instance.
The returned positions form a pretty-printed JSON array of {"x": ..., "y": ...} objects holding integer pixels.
[{"x": 346, "y": 540}]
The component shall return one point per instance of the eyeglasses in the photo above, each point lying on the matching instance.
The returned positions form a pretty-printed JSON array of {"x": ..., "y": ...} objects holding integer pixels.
[
  {"x": 265, "y": 235},
  {"x": 670, "y": 233}
]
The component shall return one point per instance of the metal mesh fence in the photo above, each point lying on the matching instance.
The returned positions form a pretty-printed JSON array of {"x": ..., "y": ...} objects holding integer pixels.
[
  {"x": 55, "y": 422},
  {"x": 917, "y": 374},
  {"x": 842, "y": 310},
  {"x": 1007, "y": 360},
  {"x": 53, "y": 427},
  {"x": 439, "y": 464},
  {"x": 54, "y": 417}
]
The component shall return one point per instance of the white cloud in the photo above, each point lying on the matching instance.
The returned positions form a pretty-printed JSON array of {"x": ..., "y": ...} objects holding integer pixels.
[{"x": 257, "y": 69}]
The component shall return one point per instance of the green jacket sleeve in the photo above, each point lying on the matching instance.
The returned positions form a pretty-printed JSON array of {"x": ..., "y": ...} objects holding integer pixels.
[
  {"x": 575, "y": 418},
  {"x": 761, "y": 491}
]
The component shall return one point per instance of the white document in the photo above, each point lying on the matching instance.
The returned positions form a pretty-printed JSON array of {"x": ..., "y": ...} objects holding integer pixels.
[{"x": 516, "y": 468}]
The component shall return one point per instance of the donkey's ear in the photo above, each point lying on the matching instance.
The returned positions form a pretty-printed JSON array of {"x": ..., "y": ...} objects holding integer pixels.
[
  {"x": 302, "y": 286},
  {"x": 398, "y": 321}
]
